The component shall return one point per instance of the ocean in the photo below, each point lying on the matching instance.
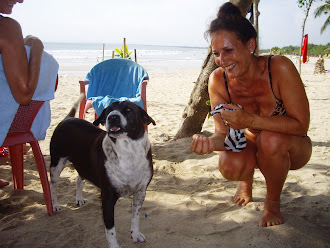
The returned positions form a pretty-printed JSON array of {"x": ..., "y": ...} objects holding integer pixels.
[{"x": 81, "y": 57}]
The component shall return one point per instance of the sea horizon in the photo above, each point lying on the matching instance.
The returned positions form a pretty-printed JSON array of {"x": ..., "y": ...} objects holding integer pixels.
[
  {"x": 81, "y": 57},
  {"x": 48, "y": 44}
]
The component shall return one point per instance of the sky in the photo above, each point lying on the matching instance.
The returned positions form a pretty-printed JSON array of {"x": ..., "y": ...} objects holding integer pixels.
[{"x": 158, "y": 22}]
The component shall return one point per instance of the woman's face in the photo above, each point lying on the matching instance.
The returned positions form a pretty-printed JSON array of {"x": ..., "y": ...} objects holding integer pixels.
[
  {"x": 6, "y": 6},
  {"x": 230, "y": 53}
]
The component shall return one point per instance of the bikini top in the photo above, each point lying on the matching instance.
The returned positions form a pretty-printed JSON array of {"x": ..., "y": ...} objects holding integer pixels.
[{"x": 279, "y": 108}]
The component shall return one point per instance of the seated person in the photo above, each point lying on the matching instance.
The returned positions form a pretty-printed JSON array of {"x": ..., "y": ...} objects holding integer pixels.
[{"x": 18, "y": 73}]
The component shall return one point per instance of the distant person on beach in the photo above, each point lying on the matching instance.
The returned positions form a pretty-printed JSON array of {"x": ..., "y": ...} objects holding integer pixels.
[
  {"x": 274, "y": 117},
  {"x": 21, "y": 75}
]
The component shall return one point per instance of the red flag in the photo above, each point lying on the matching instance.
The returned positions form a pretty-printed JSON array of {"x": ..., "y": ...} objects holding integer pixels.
[{"x": 304, "y": 49}]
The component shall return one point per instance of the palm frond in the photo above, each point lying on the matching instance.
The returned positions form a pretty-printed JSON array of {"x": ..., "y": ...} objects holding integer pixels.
[
  {"x": 323, "y": 9},
  {"x": 325, "y": 25}
]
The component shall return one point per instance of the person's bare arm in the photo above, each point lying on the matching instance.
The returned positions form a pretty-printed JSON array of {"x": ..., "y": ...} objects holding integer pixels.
[
  {"x": 205, "y": 145},
  {"x": 21, "y": 75}
]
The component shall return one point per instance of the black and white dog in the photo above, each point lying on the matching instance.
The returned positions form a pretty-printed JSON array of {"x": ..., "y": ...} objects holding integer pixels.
[{"x": 117, "y": 160}]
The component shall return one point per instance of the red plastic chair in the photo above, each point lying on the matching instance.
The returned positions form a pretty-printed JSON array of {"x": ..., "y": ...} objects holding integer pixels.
[{"x": 19, "y": 134}]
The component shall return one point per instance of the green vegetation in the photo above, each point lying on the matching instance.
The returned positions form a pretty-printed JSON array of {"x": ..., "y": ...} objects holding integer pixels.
[
  {"x": 120, "y": 53},
  {"x": 313, "y": 50},
  {"x": 323, "y": 9}
]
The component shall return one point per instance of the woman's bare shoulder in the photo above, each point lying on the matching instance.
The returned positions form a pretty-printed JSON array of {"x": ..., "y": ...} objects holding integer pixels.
[
  {"x": 282, "y": 64},
  {"x": 10, "y": 34},
  {"x": 217, "y": 89},
  {"x": 9, "y": 22},
  {"x": 216, "y": 76},
  {"x": 10, "y": 29}
]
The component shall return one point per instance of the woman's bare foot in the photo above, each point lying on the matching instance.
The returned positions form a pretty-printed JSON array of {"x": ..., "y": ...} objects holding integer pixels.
[
  {"x": 272, "y": 215},
  {"x": 243, "y": 193},
  {"x": 3, "y": 183}
]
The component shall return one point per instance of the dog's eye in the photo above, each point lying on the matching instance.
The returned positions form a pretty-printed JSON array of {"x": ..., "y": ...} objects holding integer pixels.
[{"x": 128, "y": 110}]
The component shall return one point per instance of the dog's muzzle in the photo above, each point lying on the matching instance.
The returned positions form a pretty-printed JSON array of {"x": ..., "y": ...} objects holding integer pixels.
[{"x": 116, "y": 122}]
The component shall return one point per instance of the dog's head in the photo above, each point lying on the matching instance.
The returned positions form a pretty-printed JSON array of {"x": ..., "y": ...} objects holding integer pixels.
[{"x": 124, "y": 119}]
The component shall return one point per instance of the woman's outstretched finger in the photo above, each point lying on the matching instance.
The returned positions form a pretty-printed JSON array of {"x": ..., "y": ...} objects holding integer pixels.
[
  {"x": 205, "y": 144},
  {"x": 194, "y": 143},
  {"x": 199, "y": 146}
]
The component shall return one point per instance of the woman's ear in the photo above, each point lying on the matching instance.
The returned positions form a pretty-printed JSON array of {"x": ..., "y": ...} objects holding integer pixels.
[{"x": 251, "y": 45}]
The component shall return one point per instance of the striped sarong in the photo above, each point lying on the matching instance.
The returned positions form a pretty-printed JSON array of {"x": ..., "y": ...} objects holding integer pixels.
[{"x": 235, "y": 139}]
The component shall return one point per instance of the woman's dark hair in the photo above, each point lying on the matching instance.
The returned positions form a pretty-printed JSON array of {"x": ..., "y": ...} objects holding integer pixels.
[{"x": 229, "y": 18}]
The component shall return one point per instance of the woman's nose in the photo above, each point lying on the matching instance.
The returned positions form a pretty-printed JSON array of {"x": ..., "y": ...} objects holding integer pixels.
[{"x": 220, "y": 59}]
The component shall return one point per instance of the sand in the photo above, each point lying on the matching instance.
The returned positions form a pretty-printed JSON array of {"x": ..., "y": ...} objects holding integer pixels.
[{"x": 188, "y": 202}]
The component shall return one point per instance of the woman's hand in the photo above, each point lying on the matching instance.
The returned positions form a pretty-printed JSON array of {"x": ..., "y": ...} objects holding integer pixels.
[
  {"x": 202, "y": 145},
  {"x": 34, "y": 42},
  {"x": 235, "y": 117}
]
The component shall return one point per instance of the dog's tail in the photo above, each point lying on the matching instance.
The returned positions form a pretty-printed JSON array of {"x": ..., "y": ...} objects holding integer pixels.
[{"x": 75, "y": 107}]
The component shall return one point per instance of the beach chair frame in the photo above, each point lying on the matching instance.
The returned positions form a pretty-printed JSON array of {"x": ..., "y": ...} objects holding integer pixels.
[{"x": 19, "y": 134}]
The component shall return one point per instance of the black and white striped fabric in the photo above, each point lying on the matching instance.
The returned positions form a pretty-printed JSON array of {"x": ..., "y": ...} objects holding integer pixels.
[{"x": 235, "y": 139}]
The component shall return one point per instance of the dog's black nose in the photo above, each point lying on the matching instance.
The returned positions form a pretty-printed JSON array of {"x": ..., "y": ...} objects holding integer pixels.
[{"x": 114, "y": 118}]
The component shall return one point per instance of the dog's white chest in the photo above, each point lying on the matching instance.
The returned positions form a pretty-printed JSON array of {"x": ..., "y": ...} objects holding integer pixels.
[{"x": 127, "y": 165}]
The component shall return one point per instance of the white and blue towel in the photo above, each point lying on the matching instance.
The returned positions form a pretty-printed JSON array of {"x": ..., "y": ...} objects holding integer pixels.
[
  {"x": 115, "y": 80},
  {"x": 44, "y": 92},
  {"x": 235, "y": 139}
]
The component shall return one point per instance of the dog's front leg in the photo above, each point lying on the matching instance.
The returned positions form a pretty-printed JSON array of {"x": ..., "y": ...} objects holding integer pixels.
[
  {"x": 109, "y": 200},
  {"x": 79, "y": 195},
  {"x": 138, "y": 199}
]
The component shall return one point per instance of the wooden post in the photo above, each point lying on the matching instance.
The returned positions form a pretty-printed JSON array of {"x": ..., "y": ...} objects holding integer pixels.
[
  {"x": 135, "y": 57},
  {"x": 103, "y": 51},
  {"x": 256, "y": 23},
  {"x": 308, "y": 6},
  {"x": 113, "y": 54},
  {"x": 124, "y": 49}
]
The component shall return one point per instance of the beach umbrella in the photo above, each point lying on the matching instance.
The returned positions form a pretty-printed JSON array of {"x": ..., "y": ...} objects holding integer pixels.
[{"x": 304, "y": 49}]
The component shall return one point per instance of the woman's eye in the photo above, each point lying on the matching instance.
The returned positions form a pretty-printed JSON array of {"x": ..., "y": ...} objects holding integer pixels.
[
  {"x": 216, "y": 54},
  {"x": 229, "y": 50}
]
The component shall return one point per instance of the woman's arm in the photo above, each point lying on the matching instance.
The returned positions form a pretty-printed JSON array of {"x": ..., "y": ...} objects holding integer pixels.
[
  {"x": 21, "y": 75},
  {"x": 205, "y": 145}
]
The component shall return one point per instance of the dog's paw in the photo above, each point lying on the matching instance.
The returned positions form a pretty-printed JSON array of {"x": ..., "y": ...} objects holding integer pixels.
[
  {"x": 80, "y": 202},
  {"x": 56, "y": 207},
  {"x": 138, "y": 237}
]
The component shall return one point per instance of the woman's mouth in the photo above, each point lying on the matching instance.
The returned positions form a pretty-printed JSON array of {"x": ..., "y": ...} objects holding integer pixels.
[{"x": 227, "y": 68}]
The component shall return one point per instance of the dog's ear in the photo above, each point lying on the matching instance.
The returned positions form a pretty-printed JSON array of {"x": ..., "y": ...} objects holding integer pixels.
[
  {"x": 146, "y": 118},
  {"x": 101, "y": 119}
]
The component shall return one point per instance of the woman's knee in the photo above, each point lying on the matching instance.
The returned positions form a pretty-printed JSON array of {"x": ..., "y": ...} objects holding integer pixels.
[
  {"x": 270, "y": 144},
  {"x": 230, "y": 170},
  {"x": 236, "y": 168}
]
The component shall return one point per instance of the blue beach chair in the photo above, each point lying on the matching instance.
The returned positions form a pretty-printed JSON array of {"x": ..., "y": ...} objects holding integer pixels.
[{"x": 113, "y": 80}]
